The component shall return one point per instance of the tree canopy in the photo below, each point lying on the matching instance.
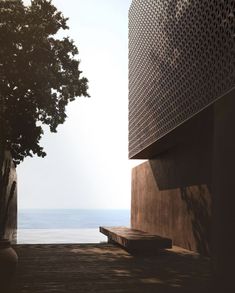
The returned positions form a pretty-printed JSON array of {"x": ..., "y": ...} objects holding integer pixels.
[{"x": 39, "y": 74}]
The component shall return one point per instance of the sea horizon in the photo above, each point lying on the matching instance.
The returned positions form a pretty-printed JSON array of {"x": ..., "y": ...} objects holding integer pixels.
[{"x": 67, "y": 225}]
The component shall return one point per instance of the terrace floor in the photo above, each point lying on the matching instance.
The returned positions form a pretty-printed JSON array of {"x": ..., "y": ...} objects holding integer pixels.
[{"x": 105, "y": 268}]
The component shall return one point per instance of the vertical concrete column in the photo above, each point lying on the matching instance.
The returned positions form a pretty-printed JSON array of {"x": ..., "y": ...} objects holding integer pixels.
[{"x": 224, "y": 193}]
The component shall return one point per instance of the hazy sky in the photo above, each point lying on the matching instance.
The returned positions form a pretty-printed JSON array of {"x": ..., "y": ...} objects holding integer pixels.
[{"x": 87, "y": 160}]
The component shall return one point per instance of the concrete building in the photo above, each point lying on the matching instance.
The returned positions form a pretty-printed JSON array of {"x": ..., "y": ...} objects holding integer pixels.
[{"x": 182, "y": 120}]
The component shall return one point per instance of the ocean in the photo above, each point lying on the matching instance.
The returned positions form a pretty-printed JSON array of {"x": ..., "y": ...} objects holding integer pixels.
[{"x": 38, "y": 226}]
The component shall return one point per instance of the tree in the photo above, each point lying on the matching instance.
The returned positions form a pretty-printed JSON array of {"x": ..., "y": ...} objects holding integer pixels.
[{"x": 39, "y": 75}]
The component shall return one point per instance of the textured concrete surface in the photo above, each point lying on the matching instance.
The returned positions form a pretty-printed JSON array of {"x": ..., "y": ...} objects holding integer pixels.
[
  {"x": 135, "y": 241},
  {"x": 107, "y": 268},
  {"x": 223, "y": 192},
  {"x": 181, "y": 213}
]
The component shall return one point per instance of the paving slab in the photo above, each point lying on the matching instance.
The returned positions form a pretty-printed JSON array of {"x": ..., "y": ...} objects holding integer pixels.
[{"x": 106, "y": 268}]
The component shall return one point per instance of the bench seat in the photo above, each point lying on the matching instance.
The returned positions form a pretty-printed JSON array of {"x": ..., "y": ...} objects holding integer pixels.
[{"x": 135, "y": 240}]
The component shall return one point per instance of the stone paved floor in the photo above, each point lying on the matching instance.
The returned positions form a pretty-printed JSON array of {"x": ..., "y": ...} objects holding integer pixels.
[{"x": 105, "y": 268}]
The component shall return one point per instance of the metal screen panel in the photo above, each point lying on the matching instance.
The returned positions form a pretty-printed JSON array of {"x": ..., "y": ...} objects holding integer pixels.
[{"x": 181, "y": 59}]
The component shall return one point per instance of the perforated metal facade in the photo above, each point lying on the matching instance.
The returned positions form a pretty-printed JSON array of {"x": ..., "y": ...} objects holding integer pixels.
[{"x": 181, "y": 59}]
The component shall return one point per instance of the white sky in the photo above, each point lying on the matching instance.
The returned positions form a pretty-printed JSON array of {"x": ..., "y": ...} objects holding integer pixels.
[{"x": 87, "y": 160}]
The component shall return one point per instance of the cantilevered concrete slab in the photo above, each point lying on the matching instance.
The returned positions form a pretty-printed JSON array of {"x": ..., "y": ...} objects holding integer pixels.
[{"x": 136, "y": 241}]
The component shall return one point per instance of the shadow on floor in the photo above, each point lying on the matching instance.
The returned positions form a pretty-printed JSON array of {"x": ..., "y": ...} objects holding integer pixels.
[{"x": 107, "y": 268}]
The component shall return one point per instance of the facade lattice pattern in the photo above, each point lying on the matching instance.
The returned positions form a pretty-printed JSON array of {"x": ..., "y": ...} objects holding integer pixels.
[{"x": 181, "y": 59}]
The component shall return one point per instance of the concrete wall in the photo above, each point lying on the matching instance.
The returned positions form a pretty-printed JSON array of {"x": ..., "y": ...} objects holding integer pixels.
[
  {"x": 223, "y": 225},
  {"x": 187, "y": 192},
  {"x": 182, "y": 213},
  {"x": 9, "y": 202},
  {"x": 171, "y": 194}
]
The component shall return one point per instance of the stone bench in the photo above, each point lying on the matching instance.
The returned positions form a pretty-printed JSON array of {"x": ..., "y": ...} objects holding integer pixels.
[{"x": 136, "y": 241}]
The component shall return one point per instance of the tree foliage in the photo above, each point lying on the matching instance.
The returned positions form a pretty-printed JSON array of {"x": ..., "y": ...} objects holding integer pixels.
[{"x": 39, "y": 74}]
